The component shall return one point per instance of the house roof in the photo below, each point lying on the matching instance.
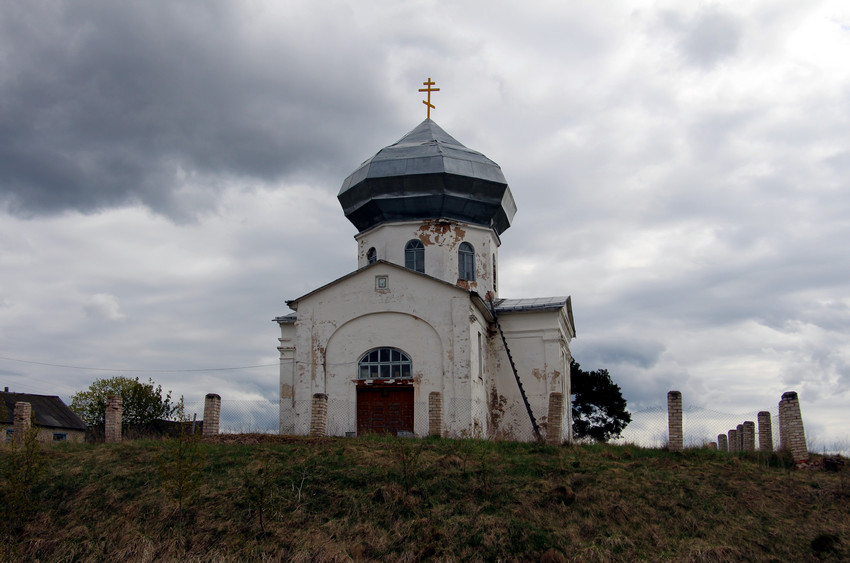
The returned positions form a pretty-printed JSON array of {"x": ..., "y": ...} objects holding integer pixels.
[
  {"x": 49, "y": 410},
  {"x": 427, "y": 174}
]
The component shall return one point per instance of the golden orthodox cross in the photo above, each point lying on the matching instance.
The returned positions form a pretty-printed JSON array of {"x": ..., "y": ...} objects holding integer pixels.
[{"x": 429, "y": 90}]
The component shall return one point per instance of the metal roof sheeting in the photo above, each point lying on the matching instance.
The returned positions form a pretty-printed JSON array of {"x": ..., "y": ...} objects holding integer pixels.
[
  {"x": 428, "y": 174},
  {"x": 535, "y": 304}
]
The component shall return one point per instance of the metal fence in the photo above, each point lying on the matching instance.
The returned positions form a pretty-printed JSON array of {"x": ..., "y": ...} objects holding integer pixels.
[
  {"x": 241, "y": 417},
  {"x": 648, "y": 427}
]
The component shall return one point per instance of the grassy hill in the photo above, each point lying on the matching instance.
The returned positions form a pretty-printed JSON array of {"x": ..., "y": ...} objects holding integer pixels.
[{"x": 276, "y": 498}]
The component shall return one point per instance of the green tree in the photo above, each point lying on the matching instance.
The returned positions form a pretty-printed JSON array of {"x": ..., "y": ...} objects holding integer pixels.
[
  {"x": 141, "y": 402},
  {"x": 599, "y": 409}
]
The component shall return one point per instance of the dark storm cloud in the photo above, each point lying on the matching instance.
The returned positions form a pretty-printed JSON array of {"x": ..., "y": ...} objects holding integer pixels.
[
  {"x": 621, "y": 351},
  {"x": 106, "y": 104}
]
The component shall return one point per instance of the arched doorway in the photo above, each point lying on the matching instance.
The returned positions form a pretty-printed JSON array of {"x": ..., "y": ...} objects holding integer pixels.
[{"x": 384, "y": 392}]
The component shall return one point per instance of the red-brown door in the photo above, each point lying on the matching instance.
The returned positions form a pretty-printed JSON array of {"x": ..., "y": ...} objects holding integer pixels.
[{"x": 384, "y": 410}]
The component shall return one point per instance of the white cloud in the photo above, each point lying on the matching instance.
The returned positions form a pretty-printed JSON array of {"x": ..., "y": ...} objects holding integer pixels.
[
  {"x": 104, "y": 306},
  {"x": 680, "y": 170}
]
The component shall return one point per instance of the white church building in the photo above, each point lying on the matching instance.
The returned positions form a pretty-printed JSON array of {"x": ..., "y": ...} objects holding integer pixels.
[{"x": 416, "y": 340}]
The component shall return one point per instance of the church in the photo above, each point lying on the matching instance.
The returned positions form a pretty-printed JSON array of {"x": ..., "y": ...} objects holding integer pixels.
[{"x": 416, "y": 341}]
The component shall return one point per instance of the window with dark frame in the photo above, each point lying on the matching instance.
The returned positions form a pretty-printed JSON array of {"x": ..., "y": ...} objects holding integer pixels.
[
  {"x": 371, "y": 255},
  {"x": 414, "y": 256},
  {"x": 466, "y": 262},
  {"x": 60, "y": 436},
  {"x": 384, "y": 363}
]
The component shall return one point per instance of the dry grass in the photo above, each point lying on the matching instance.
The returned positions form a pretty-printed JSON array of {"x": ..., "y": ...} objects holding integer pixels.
[{"x": 409, "y": 500}]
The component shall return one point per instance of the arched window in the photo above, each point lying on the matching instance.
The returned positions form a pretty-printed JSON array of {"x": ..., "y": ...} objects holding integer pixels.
[
  {"x": 384, "y": 363},
  {"x": 371, "y": 255},
  {"x": 414, "y": 256},
  {"x": 466, "y": 262}
]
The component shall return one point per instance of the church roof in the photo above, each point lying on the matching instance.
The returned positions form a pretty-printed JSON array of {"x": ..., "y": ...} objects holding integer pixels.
[
  {"x": 535, "y": 304},
  {"x": 293, "y": 303},
  {"x": 428, "y": 174}
]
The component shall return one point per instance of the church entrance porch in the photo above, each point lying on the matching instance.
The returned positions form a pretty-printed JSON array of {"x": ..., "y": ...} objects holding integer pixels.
[{"x": 384, "y": 409}]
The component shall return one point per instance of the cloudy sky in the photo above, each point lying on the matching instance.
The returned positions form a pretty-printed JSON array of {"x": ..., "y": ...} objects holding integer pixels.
[{"x": 169, "y": 171}]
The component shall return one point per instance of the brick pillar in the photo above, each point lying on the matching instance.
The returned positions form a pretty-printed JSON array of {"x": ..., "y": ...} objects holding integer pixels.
[
  {"x": 733, "y": 441},
  {"x": 765, "y": 432},
  {"x": 435, "y": 413},
  {"x": 319, "y": 415},
  {"x": 722, "y": 443},
  {"x": 212, "y": 412},
  {"x": 23, "y": 421},
  {"x": 793, "y": 436},
  {"x": 114, "y": 410},
  {"x": 555, "y": 419},
  {"x": 674, "y": 421},
  {"x": 749, "y": 436}
]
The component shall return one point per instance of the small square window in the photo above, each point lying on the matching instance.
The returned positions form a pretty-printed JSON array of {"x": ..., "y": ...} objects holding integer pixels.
[
  {"x": 382, "y": 282},
  {"x": 60, "y": 436}
]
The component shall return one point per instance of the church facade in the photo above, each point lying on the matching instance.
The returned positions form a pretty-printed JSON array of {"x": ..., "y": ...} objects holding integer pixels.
[{"x": 416, "y": 341}]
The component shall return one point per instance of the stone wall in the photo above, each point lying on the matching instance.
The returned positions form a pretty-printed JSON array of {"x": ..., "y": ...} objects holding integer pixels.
[
  {"x": 212, "y": 414},
  {"x": 114, "y": 411},
  {"x": 792, "y": 436},
  {"x": 675, "y": 431},
  {"x": 435, "y": 413},
  {"x": 765, "y": 432},
  {"x": 555, "y": 418},
  {"x": 23, "y": 421},
  {"x": 319, "y": 415}
]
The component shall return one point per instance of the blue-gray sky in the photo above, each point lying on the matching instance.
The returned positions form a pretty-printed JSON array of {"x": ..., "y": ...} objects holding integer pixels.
[{"x": 168, "y": 174}]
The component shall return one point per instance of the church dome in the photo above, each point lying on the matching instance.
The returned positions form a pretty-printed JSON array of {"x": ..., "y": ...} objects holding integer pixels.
[{"x": 427, "y": 174}]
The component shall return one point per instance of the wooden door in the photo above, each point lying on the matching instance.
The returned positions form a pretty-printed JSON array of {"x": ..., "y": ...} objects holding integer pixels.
[{"x": 384, "y": 410}]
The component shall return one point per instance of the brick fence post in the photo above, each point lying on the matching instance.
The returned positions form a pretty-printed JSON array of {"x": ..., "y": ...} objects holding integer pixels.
[
  {"x": 555, "y": 419},
  {"x": 22, "y": 422},
  {"x": 674, "y": 421},
  {"x": 212, "y": 413},
  {"x": 765, "y": 432},
  {"x": 114, "y": 410},
  {"x": 749, "y": 436},
  {"x": 722, "y": 443},
  {"x": 319, "y": 415},
  {"x": 733, "y": 441},
  {"x": 435, "y": 413},
  {"x": 793, "y": 436}
]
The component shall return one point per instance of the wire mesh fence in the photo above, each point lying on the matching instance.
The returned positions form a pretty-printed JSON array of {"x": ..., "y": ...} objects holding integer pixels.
[
  {"x": 465, "y": 418},
  {"x": 477, "y": 419},
  {"x": 701, "y": 426},
  {"x": 241, "y": 417}
]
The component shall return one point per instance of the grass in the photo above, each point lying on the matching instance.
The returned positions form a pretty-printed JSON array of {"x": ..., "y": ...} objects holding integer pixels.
[{"x": 326, "y": 499}]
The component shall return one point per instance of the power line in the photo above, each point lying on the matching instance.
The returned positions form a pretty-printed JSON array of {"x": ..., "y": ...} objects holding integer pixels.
[{"x": 134, "y": 370}]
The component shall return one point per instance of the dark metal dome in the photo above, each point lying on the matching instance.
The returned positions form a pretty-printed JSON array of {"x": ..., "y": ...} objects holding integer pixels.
[{"x": 428, "y": 175}]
